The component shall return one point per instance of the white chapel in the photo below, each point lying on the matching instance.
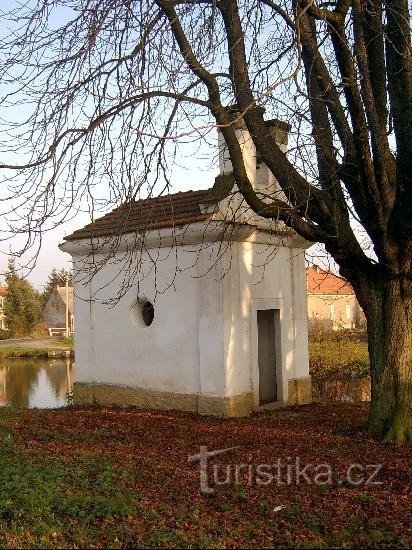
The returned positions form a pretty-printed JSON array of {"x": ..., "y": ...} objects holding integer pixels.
[{"x": 213, "y": 319}]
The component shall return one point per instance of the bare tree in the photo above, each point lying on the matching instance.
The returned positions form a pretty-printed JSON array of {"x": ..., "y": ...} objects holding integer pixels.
[{"x": 109, "y": 90}]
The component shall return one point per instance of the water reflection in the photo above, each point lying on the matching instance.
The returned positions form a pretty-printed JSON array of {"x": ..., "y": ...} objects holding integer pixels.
[{"x": 29, "y": 383}]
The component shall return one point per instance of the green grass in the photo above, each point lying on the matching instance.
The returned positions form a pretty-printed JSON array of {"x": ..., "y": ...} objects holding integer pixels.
[
  {"x": 339, "y": 359},
  {"x": 47, "y": 502},
  {"x": 26, "y": 353},
  {"x": 66, "y": 340},
  {"x": 339, "y": 352},
  {"x": 339, "y": 370}
]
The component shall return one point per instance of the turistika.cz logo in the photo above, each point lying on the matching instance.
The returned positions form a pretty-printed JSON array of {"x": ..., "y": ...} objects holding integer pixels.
[{"x": 284, "y": 471}]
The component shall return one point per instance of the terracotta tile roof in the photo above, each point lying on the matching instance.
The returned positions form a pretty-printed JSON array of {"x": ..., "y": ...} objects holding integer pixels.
[
  {"x": 3, "y": 290},
  {"x": 320, "y": 281},
  {"x": 166, "y": 211}
]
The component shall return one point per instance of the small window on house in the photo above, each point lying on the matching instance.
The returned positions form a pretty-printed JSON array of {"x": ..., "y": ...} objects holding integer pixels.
[
  {"x": 348, "y": 312},
  {"x": 148, "y": 313},
  {"x": 332, "y": 312}
]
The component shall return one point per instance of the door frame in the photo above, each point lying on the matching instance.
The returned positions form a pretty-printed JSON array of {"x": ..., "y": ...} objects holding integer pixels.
[{"x": 261, "y": 304}]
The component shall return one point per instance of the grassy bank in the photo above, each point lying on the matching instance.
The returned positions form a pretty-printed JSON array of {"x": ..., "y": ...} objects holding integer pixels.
[
  {"x": 40, "y": 348},
  {"x": 120, "y": 477},
  {"x": 34, "y": 353},
  {"x": 339, "y": 368},
  {"x": 339, "y": 352}
]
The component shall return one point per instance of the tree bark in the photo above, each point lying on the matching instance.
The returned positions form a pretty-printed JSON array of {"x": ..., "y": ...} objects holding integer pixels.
[{"x": 388, "y": 310}]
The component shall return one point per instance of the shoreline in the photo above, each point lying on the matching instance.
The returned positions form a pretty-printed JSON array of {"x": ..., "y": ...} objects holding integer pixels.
[{"x": 33, "y": 353}]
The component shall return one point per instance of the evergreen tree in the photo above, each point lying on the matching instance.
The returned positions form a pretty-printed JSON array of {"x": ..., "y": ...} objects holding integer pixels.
[{"x": 21, "y": 305}]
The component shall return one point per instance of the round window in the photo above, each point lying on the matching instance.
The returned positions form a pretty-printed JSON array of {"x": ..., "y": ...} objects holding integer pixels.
[{"x": 148, "y": 313}]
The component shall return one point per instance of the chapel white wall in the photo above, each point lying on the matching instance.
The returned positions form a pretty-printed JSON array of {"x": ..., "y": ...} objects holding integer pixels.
[
  {"x": 262, "y": 279},
  {"x": 182, "y": 351},
  {"x": 203, "y": 339}
]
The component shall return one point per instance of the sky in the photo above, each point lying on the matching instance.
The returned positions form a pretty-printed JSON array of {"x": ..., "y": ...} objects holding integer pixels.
[
  {"x": 195, "y": 170},
  {"x": 190, "y": 175}
]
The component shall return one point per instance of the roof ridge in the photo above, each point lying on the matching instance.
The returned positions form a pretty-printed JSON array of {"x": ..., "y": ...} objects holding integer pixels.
[
  {"x": 171, "y": 210},
  {"x": 168, "y": 196},
  {"x": 321, "y": 281},
  {"x": 327, "y": 272}
]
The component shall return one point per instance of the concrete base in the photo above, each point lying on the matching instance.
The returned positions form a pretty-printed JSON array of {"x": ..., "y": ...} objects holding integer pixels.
[
  {"x": 300, "y": 390},
  {"x": 236, "y": 405},
  {"x": 107, "y": 394}
]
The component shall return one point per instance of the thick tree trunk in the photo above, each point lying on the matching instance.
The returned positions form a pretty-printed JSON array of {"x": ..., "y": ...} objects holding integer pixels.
[{"x": 389, "y": 320}]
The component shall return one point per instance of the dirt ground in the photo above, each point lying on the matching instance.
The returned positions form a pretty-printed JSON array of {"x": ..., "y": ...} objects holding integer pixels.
[{"x": 111, "y": 477}]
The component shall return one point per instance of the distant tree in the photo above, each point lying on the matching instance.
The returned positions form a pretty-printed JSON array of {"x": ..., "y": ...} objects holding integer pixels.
[
  {"x": 56, "y": 278},
  {"x": 21, "y": 305}
]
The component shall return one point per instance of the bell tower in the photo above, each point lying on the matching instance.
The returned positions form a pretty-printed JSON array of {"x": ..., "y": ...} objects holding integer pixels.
[{"x": 261, "y": 178}]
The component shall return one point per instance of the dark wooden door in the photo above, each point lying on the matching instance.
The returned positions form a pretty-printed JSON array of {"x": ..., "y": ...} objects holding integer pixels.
[{"x": 267, "y": 356}]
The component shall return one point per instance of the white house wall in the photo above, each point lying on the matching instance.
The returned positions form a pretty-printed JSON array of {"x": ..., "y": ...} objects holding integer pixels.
[
  {"x": 114, "y": 347},
  {"x": 259, "y": 279},
  {"x": 202, "y": 341}
]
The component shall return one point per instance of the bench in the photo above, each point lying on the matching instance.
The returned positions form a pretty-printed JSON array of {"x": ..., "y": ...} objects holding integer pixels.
[{"x": 57, "y": 331}]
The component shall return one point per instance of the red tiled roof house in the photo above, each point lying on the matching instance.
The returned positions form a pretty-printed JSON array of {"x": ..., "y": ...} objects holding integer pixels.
[{"x": 331, "y": 300}]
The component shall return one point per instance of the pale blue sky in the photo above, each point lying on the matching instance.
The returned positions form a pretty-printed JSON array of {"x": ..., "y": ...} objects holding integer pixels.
[
  {"x": 195, "y": 168},
  {"x": 191, "y": 174}
]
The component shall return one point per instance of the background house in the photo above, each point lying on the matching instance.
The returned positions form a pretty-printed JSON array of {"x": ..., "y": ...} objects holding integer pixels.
[
  {"x": 54, "y": 312},
  {"x": 3, "y": 291},
  {"x": 218, "y": 325},
  {"x": 331, "y": 300}
]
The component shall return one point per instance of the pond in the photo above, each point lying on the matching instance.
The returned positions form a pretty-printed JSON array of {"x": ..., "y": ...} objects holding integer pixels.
[
  {"x": 40, "y": 383},
  {"x": 47, "y": 383}
]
